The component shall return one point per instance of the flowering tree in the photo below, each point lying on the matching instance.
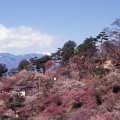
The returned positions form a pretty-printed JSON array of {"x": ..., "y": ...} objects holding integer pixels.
[
  {"x": 23, "y": 112},
  {"x": 82, "y": 114},
  {"x": 79, "y": 98},
  {"x": 44, "y": 83},
  {"x": 48, "y": 64},
  {"x": 104, "y": 116},
  {"x": 110, "y": 101},
  {"x": 64, "y": 84},
  {"x": 2, "y": 110},
  {"x": 4, "y": 96},
  {"x": 51, "y": 106}
]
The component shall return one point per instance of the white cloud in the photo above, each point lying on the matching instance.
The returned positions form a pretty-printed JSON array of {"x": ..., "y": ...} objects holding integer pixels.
[
  {"x": 44, "y": 53},
  {"x": 23, "y": 37}
]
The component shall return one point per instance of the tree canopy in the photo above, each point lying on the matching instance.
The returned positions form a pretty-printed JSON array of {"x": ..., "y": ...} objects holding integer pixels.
[
  {"x": 65, "y": 52},
  {"x": 3, "y": 69},
  {"x": 87, "y": 47},
  {"x": 24, "y": 64}
]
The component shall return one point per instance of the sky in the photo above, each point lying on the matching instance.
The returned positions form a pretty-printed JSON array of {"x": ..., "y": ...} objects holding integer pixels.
[{"x": 43, "y": 26}]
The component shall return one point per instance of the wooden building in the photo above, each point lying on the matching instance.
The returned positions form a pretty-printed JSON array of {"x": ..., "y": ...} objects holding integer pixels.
[{"x": 22, "y": 89}]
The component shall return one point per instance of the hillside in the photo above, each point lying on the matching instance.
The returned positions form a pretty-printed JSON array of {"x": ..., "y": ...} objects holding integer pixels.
[
  {"x": 77, "y": 82},
  {"x": 90, "y": 98}
]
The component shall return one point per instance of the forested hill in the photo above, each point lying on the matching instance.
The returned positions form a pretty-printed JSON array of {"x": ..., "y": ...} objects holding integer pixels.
[
  {"x": 84, "y": 86},
  {"x": 12, "y": 61}
]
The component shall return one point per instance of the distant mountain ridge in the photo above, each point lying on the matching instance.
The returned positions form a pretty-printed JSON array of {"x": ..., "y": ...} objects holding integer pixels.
[{"x": 12, "y": 61}]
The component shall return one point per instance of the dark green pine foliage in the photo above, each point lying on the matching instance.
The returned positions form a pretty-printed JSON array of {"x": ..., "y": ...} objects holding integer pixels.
[
  {"x": 88, "y": 46},
  {"x": 57, "y": 55},
  {"x": 3, "y": 69},
  {"x": 68, "y": 50},
  {"x": 63, "y": 54},
  {"x": 38, "y": 63},
  {"x": 24, "y": 64},
  {"x": 102, "y": 37}
]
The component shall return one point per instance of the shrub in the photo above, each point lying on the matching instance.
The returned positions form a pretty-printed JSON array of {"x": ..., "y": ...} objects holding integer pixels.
[
  {"x": 116, "y": 89},
  {"x": 98, "y": 98},
  {"x": 98, "y": 71},
  {"x": 17, "y": 119},
  {"x": 3, "y": 117},
  {"x": 14, "y": 105}
]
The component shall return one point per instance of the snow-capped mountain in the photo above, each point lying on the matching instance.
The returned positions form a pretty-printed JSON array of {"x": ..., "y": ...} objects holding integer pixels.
[{"x": 12, "y": 61}]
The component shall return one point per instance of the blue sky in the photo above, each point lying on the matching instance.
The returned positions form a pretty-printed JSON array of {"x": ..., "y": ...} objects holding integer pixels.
[{"x": 44, "y": 25}]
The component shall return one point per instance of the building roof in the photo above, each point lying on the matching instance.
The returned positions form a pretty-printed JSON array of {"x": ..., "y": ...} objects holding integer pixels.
[{"x": 20, "y": 86}]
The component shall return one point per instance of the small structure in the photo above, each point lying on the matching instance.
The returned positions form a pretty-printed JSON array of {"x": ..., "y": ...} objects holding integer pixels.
[
  {"x": 107, "y": 64},
  {"x": 22, "y": 89}
]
